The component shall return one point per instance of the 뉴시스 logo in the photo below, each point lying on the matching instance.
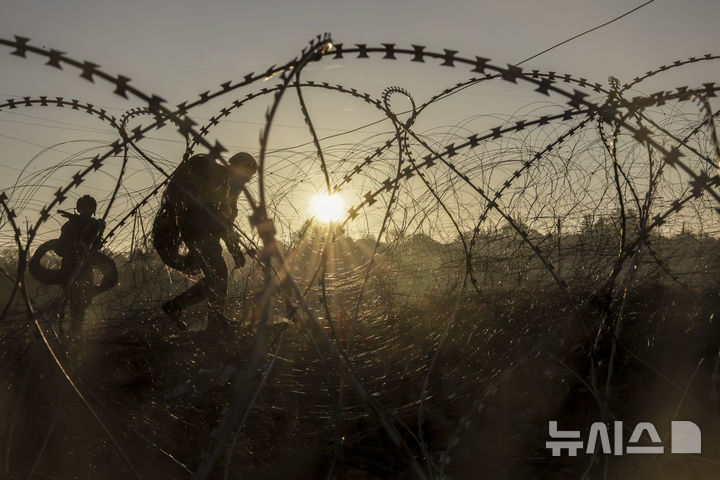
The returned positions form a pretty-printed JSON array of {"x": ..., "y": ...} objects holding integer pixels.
[{"x": 685, "y": 437}]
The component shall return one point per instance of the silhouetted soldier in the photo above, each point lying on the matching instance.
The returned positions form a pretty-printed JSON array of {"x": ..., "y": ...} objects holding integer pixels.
[
  {"x": 199, "y": 207},
  {"x": 77, "y": 247},
  {"x": 79, "y": 238}
]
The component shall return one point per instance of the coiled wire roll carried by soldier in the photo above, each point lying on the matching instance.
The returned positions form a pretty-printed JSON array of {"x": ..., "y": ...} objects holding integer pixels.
[{"x": 198, "y": 211}]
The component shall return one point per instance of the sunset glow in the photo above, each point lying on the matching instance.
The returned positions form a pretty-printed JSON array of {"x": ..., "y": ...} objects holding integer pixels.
[{"x": 327, "y": 208}]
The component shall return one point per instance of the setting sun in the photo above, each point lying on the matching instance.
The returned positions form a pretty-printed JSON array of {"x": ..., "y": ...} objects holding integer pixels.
[{"x": 327, "y": 208}]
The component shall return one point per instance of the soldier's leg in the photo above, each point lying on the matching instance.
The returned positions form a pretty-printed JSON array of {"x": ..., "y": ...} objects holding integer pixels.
[
  {"x": 77, "y": 310},
  {"x": 174, "y": 307},
  {"x": 80, "y": 299},
  {"x": 191, "y": 296},
  {"x": 216, "y": 275}
]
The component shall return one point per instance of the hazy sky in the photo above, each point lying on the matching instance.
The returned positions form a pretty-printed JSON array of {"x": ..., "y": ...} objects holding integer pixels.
[
  {"x": 181, "y": 48},
  {"x": 237, "y": 36},
  {"x": 201, "y": 44}
]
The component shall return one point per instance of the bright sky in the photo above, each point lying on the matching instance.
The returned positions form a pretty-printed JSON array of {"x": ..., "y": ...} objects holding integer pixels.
[
  {"x": 227, "y": 36},
  {"x": 181, "y": 48}
]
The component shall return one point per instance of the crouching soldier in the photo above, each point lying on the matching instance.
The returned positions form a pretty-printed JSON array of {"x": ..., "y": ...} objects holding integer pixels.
[{"x": 198, "y": 210}]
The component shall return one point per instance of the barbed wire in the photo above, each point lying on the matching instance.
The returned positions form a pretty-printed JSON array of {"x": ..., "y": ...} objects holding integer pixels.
[{"x": 545, "y": 214}]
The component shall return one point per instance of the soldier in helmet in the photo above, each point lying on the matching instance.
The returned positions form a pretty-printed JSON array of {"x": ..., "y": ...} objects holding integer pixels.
[
  {"x": 79, "y": 238},
  {"x": 202, "y": 199}
]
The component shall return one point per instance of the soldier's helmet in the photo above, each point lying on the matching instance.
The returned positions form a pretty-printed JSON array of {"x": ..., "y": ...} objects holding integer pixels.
[
  {"x": 243, "y": 165},
  {"x": 86, "y": 205}
]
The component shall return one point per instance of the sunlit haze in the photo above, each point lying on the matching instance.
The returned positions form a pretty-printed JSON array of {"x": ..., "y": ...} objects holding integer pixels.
[{"x": 327, "y": 208}]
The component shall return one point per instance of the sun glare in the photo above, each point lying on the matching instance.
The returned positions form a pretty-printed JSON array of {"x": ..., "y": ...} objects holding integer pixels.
[{"x": 327, "y": 208}]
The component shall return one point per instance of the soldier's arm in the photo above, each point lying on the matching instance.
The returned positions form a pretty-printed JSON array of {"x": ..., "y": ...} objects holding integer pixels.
[
  {"x": 232, "y": 241},
  {"x": 100, "y": 231}
]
